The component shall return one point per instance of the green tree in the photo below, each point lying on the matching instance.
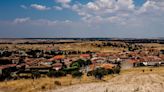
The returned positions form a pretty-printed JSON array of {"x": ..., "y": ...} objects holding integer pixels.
[
  {"x": 77, "y": 74},
  {"x": 99, "y": 73},
  {"x": 35, "y": 74}
]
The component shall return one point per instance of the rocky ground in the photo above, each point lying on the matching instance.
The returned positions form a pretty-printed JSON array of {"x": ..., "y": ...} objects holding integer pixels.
[{"x": 140, "y": 82}]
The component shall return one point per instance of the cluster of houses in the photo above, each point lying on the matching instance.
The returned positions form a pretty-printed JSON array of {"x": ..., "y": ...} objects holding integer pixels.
[{"x": 34, "y": 60}]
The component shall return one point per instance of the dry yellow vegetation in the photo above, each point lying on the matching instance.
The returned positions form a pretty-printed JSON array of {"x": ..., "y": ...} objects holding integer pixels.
[
  {"x": 132, "y": 80},
  {"x": 45, "y": 84},
  {"x": 78, "y": 46},
  {"x": 42, "y": 84}
]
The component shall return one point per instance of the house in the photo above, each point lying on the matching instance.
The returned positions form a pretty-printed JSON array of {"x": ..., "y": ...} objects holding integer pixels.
[
  {"x": 102, "y": 54},
  {"x": 57, "y": 66},
  {"x": 57, "y": 58},
  {"x": 85, "y": 56},
  {"x": 148, "y": 61},
  {"x": 6, "y": 70},
  {"x": 98, "y": 60},
  {"x": 108, "y": 66},
  {"x": 68, "y": 61},
  {"x": 130, "y": 63}
]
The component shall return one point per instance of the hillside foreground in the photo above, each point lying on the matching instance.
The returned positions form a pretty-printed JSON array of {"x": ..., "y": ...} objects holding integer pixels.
[
  {"x": 123, "y": 83},
  {"x": 131, "y": 80}
]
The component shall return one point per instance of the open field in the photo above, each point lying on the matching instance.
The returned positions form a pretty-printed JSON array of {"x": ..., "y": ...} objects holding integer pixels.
[
  {"x": 130, "y": 80},
  {"x": 77, "y": 46}
]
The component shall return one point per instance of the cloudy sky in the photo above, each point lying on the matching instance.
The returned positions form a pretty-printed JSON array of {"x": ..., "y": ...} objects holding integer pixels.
[{"x": 82, "y": 18}]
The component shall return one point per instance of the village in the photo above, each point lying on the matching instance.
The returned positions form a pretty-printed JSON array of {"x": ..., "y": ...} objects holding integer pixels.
[{"x": 17, "y": 63}]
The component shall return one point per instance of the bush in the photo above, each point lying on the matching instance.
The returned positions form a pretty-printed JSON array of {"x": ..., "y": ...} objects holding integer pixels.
[
  {"x": 99, "y": 73},
  {"x": 51, "y": 73},
  {"x": 88, "y": 62},
  {"x": 56, "y": 73},
  {"x": 57, "y": 83},
  {"x": 90, "y": 73},
  {"x": 117, "y": 70},
  {"x": 110, "y": 71},
  {"x": 70, "y": 69},
  {"x": 36, "y": 74},
  {"x": 77, "y": 74},
  {"x": 75, "y": 64},
  {"x": 60, "y": 73}
]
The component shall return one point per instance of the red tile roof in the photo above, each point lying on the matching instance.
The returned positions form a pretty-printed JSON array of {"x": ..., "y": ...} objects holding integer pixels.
[
  {"x": 57, "y": 65},
  {"x": 58, "y": 57},
  {"x": 7, "y": 66},
  {"x": 84, "y": 55},
  {"x": 108, "y": 66}
]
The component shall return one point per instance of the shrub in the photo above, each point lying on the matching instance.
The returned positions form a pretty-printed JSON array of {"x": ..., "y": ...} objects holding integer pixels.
[
  {"x": 70, "y": 69},
  {"x": 110, "y": 71},
  {"x": 56, "y": 73},
  {"x": 90, "y": 73},
  {"x": 99, "y": 73},
  {"x": 57, "y": 83},
  {"x": 36, "y": 74},
  {"x": 77, "y": 74},
  {"x": 60, "y": 73},
  {"x": 117, "y": 69},
  {"x": 51, "y": 73}
]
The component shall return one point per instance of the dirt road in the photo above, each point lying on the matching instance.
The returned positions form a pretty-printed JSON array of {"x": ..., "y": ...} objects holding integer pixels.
[{"x": 142, "y": 82}]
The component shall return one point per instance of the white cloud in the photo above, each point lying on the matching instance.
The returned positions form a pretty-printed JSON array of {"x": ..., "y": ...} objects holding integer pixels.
[
  {"x": 67, "y": 21},
  {"x": 112, "y": 11},
  {"x": 40, "y": 7},
  {"x": 152, "y": 7},
  {"x": 21, "y": 20},
  {"x": 58, "y": 8},
  {"x": 23, "y": 6},
  {"x": 63, "y": 1},
  {"x": 104, "y": 9},
  {"x": 117, "y": 11},
  {"x": 66, "y": 5},
  {"x": 39, "y": 22},
  {"x": 125, "y": 4},
  {"x": 106, "y": 18}
]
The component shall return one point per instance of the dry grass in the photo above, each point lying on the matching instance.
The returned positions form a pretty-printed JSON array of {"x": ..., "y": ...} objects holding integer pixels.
[
  {"x": 79, "y": 46},
  {"x": 132, "y": 80},
  {"x": 155, "y": 45},
  {"x": 146, "y": 70},
  {"x": 42, "y": 84}
]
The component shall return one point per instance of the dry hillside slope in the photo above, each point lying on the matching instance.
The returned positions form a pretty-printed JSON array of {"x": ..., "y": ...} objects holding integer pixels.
[{"x": 141, "y": 82}]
